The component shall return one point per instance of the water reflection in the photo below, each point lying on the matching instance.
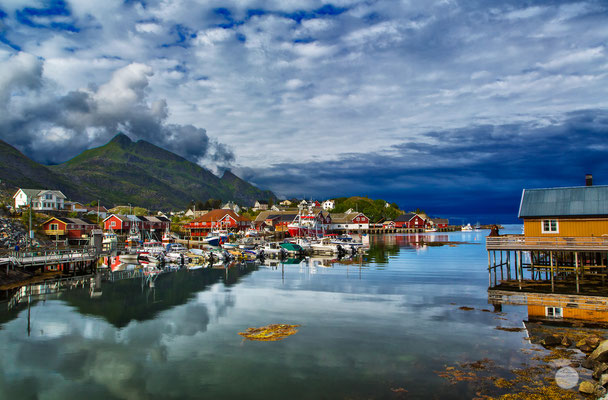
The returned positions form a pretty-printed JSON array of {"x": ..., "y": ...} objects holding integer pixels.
[{"x": 368, "y": 325}]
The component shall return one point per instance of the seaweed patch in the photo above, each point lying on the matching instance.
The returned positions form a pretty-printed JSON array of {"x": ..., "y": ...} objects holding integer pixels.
[{"x": 270, "y": 333}]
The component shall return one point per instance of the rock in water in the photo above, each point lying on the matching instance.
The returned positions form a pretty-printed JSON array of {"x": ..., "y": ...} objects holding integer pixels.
[
  {"x": 601, "y": 352},
  {"x": 599, "y": 370},
  {"x": 588, "y": 363},
  {"x": 551, "y": 341},
  {"x": 587, "y": 387},
  {"x": 566, "y": 342}
]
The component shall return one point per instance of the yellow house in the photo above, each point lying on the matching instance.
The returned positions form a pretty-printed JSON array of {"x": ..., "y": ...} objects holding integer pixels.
[{"x": 565, "y": 212}]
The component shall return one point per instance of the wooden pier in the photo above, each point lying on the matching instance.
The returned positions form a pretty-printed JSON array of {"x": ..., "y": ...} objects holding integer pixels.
[{"x": 523, "y": 260}]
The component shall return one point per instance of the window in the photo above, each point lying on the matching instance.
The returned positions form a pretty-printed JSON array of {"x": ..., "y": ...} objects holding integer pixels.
[
  {"x": 112, "y": 224},
  {"x": 554, "y": 312},
  {"x": 550, "y": 226},
  {"x": 54, "y": 227}
]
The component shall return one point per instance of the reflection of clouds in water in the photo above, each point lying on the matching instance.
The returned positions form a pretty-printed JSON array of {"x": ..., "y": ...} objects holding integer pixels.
[{"x": 85, "y": 357}]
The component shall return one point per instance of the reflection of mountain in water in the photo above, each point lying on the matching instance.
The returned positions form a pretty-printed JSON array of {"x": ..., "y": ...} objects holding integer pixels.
[{"x": 127, "y": 300}]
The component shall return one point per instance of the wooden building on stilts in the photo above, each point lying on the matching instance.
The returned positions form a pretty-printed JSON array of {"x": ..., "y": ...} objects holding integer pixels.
[{"x": 560, "y": 261}]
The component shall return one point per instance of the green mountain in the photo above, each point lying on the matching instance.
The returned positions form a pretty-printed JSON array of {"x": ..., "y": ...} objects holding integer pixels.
[
  {"x": 17, "y": 170},
  {"x": 123, "y": 171}
]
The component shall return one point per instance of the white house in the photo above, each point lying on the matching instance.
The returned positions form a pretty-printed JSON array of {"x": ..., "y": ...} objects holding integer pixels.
[
  {"x": 328, "y": 205},
  {"x": 232, "y": 206},
  {"x": 349, "y": 221},
  {"x": 285, "y": 203},
  {"x": 260, "y": 206},
  {"x": 40, "y": 199}
]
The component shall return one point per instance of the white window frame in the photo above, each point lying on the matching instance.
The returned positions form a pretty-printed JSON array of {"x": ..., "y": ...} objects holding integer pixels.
[
  {"x": 112, "y": 224},
  {"x": 54, "y": 227},
  {"x": 542, "y": 226},
  {"x": 554, "y": 312}
]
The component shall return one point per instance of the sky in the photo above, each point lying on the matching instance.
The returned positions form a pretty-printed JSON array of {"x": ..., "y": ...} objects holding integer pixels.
[{"x": 449, "y": 106}]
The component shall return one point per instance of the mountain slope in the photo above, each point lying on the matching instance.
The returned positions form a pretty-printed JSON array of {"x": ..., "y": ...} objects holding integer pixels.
[
  {"x": 17, "y": 170},
  {"x": 123, "y": 171}
]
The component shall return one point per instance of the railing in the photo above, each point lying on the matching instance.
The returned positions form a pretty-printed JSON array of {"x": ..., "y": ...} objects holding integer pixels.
[
  {"x": 52, "y": 256},
  {"x": 521, "y": 242},
  {"x": 54, "y": 232}
]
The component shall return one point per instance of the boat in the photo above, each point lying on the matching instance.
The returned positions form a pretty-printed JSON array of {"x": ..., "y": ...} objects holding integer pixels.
[
  {"x": 467, "y": 228},
  {"x": 148, "y": 260},
  {"x": 292, "y": 248},
  {"x": 212, "y": 240},
  {"x": 167, "y": 238},
  {"x": 109, "y": 241},
  {"x": 176, "y": 248},
  {"x": 306, "y": 225},
  {"x": 325, "y": 245},
  {"x": 430, "y": 230},
  {"x": 134, "y": 237},
  {"x": 153, "y": 248},
  {"x": 273, "y": 249},
  {"x": 477, "y": 226}
]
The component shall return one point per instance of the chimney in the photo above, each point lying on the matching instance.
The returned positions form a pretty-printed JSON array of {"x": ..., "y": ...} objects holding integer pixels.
[{"x": 588, "y": 180}]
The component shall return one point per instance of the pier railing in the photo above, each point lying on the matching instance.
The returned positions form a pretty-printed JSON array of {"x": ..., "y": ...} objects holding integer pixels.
[
  {"x": 51, "y": 256},
  {"x": 521, "y": 242}
]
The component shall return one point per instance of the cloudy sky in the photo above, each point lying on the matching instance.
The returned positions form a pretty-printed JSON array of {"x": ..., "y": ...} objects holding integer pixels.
[{"x": 451, "y": 106}]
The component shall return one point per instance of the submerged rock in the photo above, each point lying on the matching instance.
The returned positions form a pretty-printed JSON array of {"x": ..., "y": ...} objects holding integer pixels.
[
  {"x": 604, "y": 380},
  {"x": 551, "y": 341}
]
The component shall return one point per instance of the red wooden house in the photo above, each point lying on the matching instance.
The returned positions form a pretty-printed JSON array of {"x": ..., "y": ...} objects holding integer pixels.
[
  {"x": 123, "y": 223},
  {"x": 410, "y": 220},
  {"x": 68, "y": 228},
  {"x": 217, "y": 219},
  {"x": 440, "y": 223}
]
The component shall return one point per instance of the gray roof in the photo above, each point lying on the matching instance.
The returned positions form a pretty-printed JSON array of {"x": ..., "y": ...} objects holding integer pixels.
[
  {"x": 562, "y": 202},
  {"x": 405, "y": 217}
]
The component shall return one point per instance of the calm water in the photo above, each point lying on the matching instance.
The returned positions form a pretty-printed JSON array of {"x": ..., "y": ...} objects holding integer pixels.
[{"x": 387, "y": 322}]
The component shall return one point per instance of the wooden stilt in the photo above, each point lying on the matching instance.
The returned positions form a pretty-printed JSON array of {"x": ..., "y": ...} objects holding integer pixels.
[
  {"x": 551, "y": 262},
  {"x": 576, "y": 271}
]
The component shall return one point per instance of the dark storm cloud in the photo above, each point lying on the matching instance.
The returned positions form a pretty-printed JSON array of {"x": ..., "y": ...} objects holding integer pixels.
[
  {"x": 468, "y": 171},
  {"x": 52, "y": 128}
]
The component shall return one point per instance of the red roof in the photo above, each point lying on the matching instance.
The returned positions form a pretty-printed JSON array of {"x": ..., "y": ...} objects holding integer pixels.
[{"x": 216, "y": 215}]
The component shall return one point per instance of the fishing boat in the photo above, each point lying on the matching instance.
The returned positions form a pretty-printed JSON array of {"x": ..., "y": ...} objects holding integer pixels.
[
  {"x": 467, "y": 228},
  {"x": 430, "y": 230},
  {"x": 477, "y": 226},
  {"x": 109, "y": 241},
  {"x": 167, "y": 238},
  {"x": 305, "y": 225}
]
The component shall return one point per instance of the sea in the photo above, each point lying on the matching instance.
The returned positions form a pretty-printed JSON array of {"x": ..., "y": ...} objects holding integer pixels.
[{"x": 385, "y": 325}]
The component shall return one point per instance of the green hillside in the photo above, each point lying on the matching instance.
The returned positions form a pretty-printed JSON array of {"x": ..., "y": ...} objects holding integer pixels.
[
  {"x": 17, "y": 170},
  {"x": 123, "y": 171}
]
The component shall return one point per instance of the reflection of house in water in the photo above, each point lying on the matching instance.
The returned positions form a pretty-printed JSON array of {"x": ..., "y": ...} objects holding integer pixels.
[
  {"x": 419, "y": 241},
  {"x": 557, "y": 267},
  {"x": 553, "y": 306}
]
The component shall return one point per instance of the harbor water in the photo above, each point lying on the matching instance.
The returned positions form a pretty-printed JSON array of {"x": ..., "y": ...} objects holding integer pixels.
[{"x": 379, "y": 326}]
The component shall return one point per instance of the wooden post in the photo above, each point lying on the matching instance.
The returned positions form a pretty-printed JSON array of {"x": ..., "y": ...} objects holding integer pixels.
[
  {"x": 502, "y": 278},
  {"x": 551, "y": 262},
  {"x": 576, "y": 270},
  {"x": 489, "y": 270}
]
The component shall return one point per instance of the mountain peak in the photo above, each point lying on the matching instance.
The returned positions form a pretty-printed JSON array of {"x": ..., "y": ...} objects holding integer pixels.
[{"x": 121, "y": 139}]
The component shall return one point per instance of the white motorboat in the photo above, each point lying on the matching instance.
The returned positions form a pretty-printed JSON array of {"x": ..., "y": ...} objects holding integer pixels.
[
  {"x": 273, "y": 249},
  {"x": 325, "y": 246},
  {"x": 467, "y": 228}
]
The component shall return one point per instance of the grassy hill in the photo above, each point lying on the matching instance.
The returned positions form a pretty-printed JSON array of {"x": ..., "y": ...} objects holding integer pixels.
[
  {"x": 123, "y": 171},
  {"x": 17, "y": 170}
]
